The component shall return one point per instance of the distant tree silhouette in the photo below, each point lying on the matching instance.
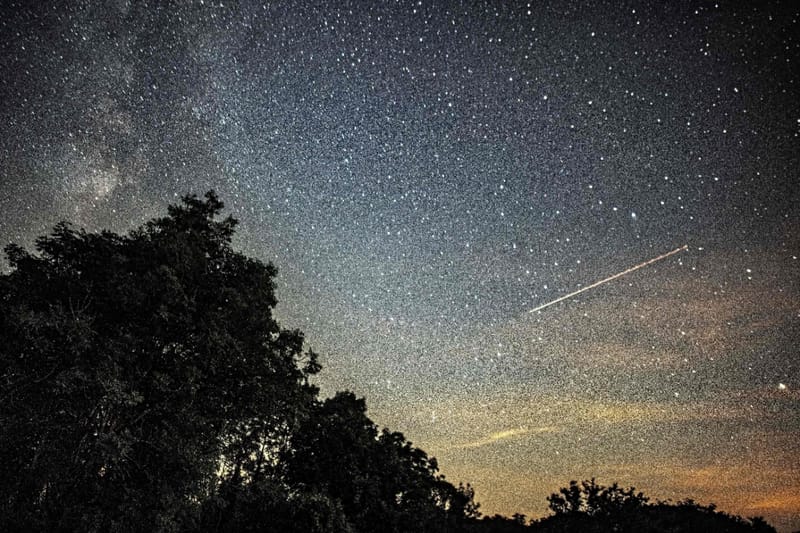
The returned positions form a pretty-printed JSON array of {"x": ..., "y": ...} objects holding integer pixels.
[
  {"x": 593, "y": 499},
  {"x": 591, "y": 507}
]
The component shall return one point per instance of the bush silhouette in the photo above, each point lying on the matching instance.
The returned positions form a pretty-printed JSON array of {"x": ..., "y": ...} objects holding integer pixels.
[{"x": 589, "y": 506}]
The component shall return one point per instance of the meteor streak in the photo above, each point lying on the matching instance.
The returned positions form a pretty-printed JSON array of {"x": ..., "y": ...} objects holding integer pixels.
[{"x": 610, "y": 278}]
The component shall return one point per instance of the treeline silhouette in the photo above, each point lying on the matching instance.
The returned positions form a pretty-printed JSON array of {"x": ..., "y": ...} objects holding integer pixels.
[{"x": 146, "y": 386}]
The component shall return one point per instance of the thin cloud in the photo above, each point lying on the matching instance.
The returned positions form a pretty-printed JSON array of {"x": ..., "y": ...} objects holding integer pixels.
[{"x": 505, "y": 435}]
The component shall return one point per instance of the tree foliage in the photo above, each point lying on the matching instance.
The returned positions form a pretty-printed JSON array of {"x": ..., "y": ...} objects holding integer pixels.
[
  {"x": 593, "y": 499},
  {"x": 591, "y": 507},
  {"x": 147, "y": 386},
  {"x": 378, "y": 476}
]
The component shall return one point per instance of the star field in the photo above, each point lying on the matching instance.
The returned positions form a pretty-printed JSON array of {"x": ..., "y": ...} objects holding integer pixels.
[{"x": 423, "y": 174}]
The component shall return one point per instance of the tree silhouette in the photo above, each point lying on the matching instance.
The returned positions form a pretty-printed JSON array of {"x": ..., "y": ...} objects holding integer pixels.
[
  {"x": 383, "y": 482},
  {"x": 134, "y": 368},
  {"x": 146, "y": 386},
  {"x": 591, "y": 507},
  {"x": 593, "y": 499}
]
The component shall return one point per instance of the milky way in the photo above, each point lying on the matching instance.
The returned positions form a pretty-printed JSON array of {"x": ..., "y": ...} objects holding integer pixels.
[{"x": 423, "y": 174}]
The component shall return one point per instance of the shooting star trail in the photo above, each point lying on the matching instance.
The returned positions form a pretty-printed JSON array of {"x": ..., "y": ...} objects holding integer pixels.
[{"x": 610, "y": 278}]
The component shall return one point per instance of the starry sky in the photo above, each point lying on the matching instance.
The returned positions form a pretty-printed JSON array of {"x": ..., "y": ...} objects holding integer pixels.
[{"x": 423, "y": 174}]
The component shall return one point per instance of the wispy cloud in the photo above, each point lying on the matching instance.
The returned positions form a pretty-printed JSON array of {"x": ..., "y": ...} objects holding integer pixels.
[
  {"x": 504, "y": 435},
  {"x": 786, "y": 501}
]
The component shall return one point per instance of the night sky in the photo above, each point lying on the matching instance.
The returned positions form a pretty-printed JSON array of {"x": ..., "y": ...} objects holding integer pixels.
[{"x": 423, "y": 174}]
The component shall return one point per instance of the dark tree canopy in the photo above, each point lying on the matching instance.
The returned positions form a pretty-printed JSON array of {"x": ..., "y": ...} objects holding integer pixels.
[
  {"x": 147, "y": 386},
  {"x": 593, "y": 499},
  {"x": 135, "y": 367},
  {"x": 379, "y": 477}
]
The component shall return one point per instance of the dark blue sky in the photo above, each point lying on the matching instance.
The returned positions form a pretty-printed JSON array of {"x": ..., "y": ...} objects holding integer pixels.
[{"x": 425, "y": 173}]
